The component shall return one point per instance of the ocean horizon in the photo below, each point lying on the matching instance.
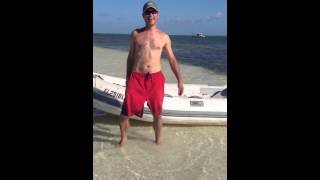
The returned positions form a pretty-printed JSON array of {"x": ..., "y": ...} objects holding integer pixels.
[{"x": 207, "y": 35}]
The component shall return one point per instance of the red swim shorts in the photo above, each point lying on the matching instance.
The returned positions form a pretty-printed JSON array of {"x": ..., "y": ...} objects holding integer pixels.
[{"x": 144, "y": 87}]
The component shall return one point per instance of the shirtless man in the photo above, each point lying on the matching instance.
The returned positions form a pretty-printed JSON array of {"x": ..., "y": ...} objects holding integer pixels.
[{"x": 145, "y": 80}]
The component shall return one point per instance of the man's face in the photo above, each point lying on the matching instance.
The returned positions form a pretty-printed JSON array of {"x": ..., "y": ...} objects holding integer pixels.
[{"x": 151, "y": 16}]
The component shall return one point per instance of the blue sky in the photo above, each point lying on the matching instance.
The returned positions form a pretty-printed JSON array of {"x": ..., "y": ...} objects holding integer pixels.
[{"x": 177, "y": 17}]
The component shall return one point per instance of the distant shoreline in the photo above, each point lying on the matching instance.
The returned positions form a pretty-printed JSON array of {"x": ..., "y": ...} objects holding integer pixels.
[{"x": 169, "y": 34}]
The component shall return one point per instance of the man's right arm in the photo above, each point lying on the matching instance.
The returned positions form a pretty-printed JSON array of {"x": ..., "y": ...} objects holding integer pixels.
[{"x": 130, "y": 58}]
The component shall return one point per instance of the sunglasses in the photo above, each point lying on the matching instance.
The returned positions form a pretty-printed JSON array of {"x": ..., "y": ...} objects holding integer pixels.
[{"x": 150, "y": 12}]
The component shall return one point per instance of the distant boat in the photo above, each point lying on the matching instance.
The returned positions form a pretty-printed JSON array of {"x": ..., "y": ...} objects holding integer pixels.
[{"x": 200, "y": 35}]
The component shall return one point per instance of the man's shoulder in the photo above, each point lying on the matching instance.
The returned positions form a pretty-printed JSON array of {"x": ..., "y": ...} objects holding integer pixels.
[
  {"x": 134, "y": 32},
  {"x": 137, "y": 31},
  {"x": 163, "y": 34}
]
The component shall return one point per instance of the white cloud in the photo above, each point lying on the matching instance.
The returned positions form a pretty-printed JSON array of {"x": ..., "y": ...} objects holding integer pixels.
[{"x": 219, "y": 14}]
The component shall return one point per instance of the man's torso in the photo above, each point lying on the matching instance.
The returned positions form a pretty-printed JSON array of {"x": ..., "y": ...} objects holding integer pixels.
[{"x": 147, "y": 51}]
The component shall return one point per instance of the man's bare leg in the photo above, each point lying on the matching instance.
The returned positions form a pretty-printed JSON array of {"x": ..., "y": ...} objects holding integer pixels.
[
  {"x": 157, "y": 126},
  {"x": 124, "y": 126}
]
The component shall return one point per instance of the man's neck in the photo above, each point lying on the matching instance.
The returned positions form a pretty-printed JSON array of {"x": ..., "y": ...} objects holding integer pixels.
[{"x": 150, "y": 28}]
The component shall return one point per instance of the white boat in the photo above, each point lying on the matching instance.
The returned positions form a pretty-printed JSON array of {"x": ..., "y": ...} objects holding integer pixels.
[
  {"x": 201, "y": 35},
  {"x": 199, "y": 104}
]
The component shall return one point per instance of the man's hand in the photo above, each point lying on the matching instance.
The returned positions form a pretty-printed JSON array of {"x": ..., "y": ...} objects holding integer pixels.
[{"x": 180, "y": 87}]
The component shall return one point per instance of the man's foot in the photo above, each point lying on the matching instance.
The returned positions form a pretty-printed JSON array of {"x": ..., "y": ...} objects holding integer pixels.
[
  {"x": 122, "y": 142},
  {"x": 157, "y": 142}
]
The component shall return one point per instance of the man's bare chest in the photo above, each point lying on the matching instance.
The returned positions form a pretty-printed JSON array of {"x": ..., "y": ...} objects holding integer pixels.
[{"x": 150, "y": 43}]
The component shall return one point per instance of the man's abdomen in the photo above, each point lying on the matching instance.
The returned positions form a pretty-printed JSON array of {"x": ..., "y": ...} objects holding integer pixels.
[{"x": 147, "y": 66}]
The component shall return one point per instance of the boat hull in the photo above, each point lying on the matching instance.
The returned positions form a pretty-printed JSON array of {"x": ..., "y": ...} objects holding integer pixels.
[{"x": 108, "y": 97}]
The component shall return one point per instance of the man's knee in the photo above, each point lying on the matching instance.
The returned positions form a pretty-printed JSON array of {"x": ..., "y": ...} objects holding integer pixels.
[
  {"x": 157, "y": 117},
  {"x": 124, "y": 117}
]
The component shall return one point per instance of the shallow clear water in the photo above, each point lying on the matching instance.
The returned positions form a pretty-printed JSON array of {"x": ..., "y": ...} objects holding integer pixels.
[
  {"x": 185, "y": 153},
  {"x": 113, "y": 62}
]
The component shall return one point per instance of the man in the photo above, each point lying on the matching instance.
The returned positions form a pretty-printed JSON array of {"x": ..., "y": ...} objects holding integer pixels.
[{"x": 145, "y": 80}]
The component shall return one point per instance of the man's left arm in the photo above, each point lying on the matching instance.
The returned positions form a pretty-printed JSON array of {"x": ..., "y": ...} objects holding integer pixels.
[{"x": 173, "y": 63}]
